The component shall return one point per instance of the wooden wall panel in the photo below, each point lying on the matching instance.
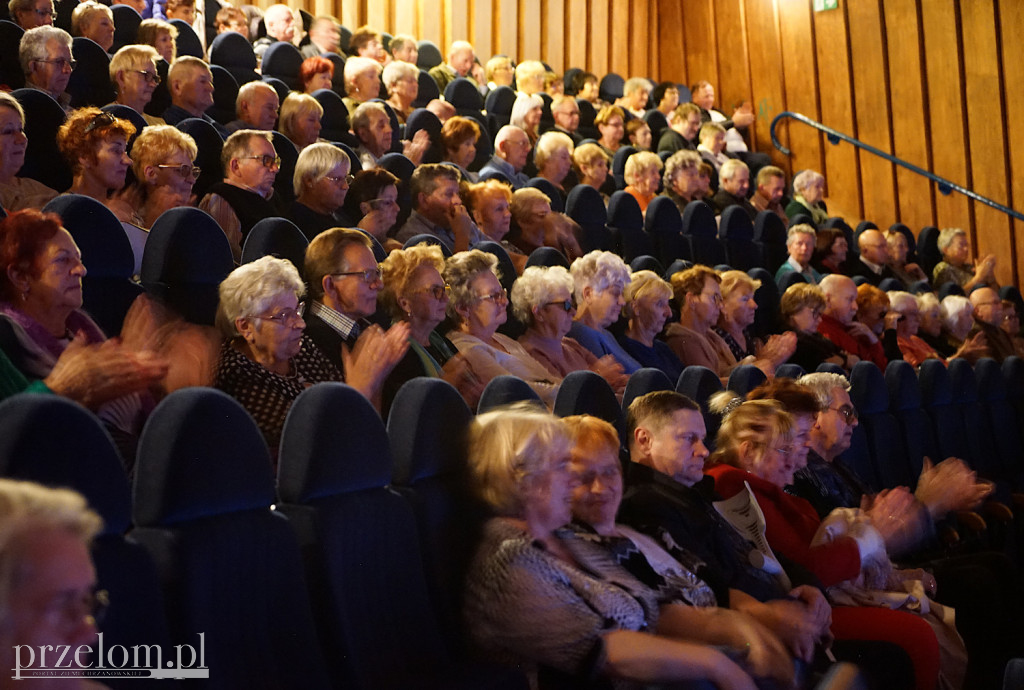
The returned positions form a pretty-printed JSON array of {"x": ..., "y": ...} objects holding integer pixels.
[
  {"x": 908, "y": 113},
  {"x": 699, "y": 33},
  {"x": 1011, "y": 20},
  {"x": 801, "y": 87},
  {"x": 597, "y": 50},
  {"x": 529, "y": 41},
  {"x": 506, "y": 20},
  {"x": 577, "y": 30},
  {"x": 766, "y": 76},
  {"x": 732, "y": 78},
  {"x": 405, "y": 17},
  {"x": 554, "y": 33},
  {"x": 641, "y": 50},
  {"x": 671, "y": 61},
  {"x": 619, "y": 46}
]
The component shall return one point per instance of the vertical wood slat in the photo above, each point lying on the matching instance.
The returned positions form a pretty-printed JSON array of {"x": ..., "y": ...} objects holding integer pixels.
[
  {"x": 405, "y": 17},
  {"x": 699, "y": 35},
  {"x": 732, "y": 78},
  {"x": 797, "y": 41},
  {"x": 529, "y": 41},
  {"x": 506, "y": 18},
  {"x": 766, "y": 78},
  {"x": 618, "y": 42},
  {"x": 1011, "y": 20},
  {"x": 598, "y": 48},
  {"x": 554, "y": 36},
  {"x": 577, "y": 30},
  {"x": 671, "y": 62}
]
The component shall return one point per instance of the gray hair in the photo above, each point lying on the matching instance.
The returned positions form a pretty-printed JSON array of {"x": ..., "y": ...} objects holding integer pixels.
[
  {"x": 730, "y": 167},
  {"x": 250, "y": 288},
  {"x": 900, "y": 301},
  {"x": 822, "y": 383},
  {"x": 635, "y": 84},
  {"x": 33, "y": 44},
  {"x": 639, "y": 163},
  {"x": 397, "y": 69},
  {"x": 946, "y": 237},
  {"x": 315, "y": 161},
  {"x": 355, "y": 66},
  {"x": 799, "y": 229},
  {"x": 536, "y": 287},
  {"x": 805, "y": 179},
  {"x": 954, "y": 310},
  {"x": 459, "y": 271},
  {"x": 248, "y": 90},
  {"x": 677, "y": 162},
  {"x": 9, "y": 101},
  {"x": 523, "y": 104},
  {"x": 361, "y": 116},
  {"x": 927, "y": 301},
  {"x": 548, "y": 143},
  {"x": 599, "y": 270}
]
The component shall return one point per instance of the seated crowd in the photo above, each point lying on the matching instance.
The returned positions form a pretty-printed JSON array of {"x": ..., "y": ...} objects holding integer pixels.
[{"x": 440, "y": 239}]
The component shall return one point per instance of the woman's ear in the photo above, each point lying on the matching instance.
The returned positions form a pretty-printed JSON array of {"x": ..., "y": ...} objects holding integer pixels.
[
  {"x": 365, "y": 208},
  {"x": 18, "y": 278},
  {"x": 405, "y": 304},
  {"x": 745, "y": 454},
  {"x": 587, "y": 294},
  {"x": 244, "y": 327}
]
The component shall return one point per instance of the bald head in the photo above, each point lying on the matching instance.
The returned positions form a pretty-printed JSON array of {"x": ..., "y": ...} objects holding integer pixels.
[
  {"x": 987, "y": 306},
  {"x": 873, "y": 247},
  {"x": 840, "y": 297},
  {"x": 512, "y": 145}
]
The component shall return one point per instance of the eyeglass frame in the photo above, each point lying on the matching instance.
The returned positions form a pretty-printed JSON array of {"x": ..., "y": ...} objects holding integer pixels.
[
  {"x": 365, "y": 275},
  {"x": 285, "y": 317},
  {"x": 194, "y": 170},
  {"x": 151, "y": 77},
  {"x": 349, "y": 179},
  {"x": 492, "y": 297},
  {"x": 70, "y": 62},
  {"x": 847, "y": 412},
  {"x": 275, "y": 161},
  {"x": 565, "y": 304},
  {"x": 436, "y": 291}
]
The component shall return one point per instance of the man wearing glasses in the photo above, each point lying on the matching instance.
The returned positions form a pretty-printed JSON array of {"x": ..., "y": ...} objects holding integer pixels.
[
  {"x": 246, "y": 196},
  {"x": 28, "y": 14},
  {"x": 344, "y": 280},
  {"x": 45, "y": 56},
  {"x": 190, "y": 83}
]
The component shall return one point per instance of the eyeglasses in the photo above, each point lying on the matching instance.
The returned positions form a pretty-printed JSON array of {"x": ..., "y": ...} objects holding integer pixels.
[
  {"x": 496, "y": 297},
  {"x": 349, "y": 179},
  {"x": 104, "y": 119},
  {"x": 285, "y": 317},
  {"x": 369, "y": 276},
  {"x": 185, "y": 170},
  {"x": 375, "y": 204},
  {"x": 12, "y": 131},
  {"x": 438, "y": 292},
  {"x": 69, "y": 610},
  {"x": 265, "y": 161},
  {"x": 152, "y": 78},
  {"x": 60, "y": 62},
  {"x": 716, "y": 298},
  {"x": 565, "y": 304},
  {"x": 848, "y": 413},
  {"x": 44, "y": 13}
]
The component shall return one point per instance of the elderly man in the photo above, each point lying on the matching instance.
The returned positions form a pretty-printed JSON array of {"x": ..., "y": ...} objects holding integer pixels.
[
  {"x": 459, "y": 64},
  {"x": 838, "y": 324},
  {"x": 257, "y": 106},
  {"x": 511, "y": 148},
  {"x": 874, "y": 256},
  {"x": 800, "y": 243},
  {"x": 28, "y": 14},
  {"x": 245, "y": 196},
  {"x": 771, "y": 186},
  {"x": 403, "y": 47},
  {"x": 988, "y": 317},
  {"x": 45, "y": 57},
  {"x": 371, "y": 125},
  {"x": 733, "y": 183},
  {"x": 438, "y": 210},
  {"x": 280, "y": 24},
  {"x": 566, "y": 115},
  {"x": 324, "y": 37},
  {"x": 683, "y": 125},
  {"x": 190, "y": 82},
  {"x": 635, "y": 93}
]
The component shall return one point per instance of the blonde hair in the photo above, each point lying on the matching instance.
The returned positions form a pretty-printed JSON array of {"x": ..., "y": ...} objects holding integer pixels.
[
  {"x": 399, "y": 268},
  {"x": 132, "y": 57},
  {"x": 297, "y": 105},
  {"x": 590, "y": 434},
  {"x": 732, "y": 280},
  {"x": 798, "y": 296},
  {"x": 548, "y": 143},
  {"x": 759, "y": 422},
  {"x": 85, "y": 12},
  {"x": 644, "y": 283},
  {"x": 639, "y": 163},
  {"x": 157, "y": 143},
  {"x": 588, "y": 154}
]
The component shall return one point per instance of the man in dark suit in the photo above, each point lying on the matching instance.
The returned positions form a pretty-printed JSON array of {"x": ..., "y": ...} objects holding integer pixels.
[
  {"x": 683, "y": 125},
  {"x": 566, "y": 115},
  {"x": 874, "y": 252}
]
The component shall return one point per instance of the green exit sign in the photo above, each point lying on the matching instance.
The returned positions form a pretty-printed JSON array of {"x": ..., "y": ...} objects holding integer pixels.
[{"x": 822, "y": 5}]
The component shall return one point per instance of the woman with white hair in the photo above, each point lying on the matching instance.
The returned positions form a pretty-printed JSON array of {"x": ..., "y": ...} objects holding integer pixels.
[
  {"x": 914, "y": 349},
  {"x": 643, "y": 177},
  {"x": 955, "y": 266},
  {"x": 808, "y": 188},
  {"x": 930, "y": 329},
  {"x": 479, "y": 304},
  {"x": 134, "y": 75},
  {"x": 599, "y": 280},
  {"x": 321, "y": 183},
  {"x": 526, "y": 113},
  {"x": 94, "y": 20},
  {"x": 957, "y": 314},
  {"x": 647, "y": 307},
  {"x": 542, "y": 300},
  {"x": 553, "y": 158},
  {"x": 403, "y": 85},
  {"x": 300, "y": 119},
  {"x": 362, "y": 82}
]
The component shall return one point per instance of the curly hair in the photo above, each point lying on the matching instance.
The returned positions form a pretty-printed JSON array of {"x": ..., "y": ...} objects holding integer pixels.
[
  {"x": 251, "y": 287},
  {"x": 692, "y": 282},
  {"x": 460, "y": 270},
  {"x": 399, "y": 268},
  {"x": 598, "y": 270},
  {"x": 313, "y": 66},
  {"x": 536, "y": 287},
  {"x": 85, "y": 130},
  {"x": 457, "y": 130}
]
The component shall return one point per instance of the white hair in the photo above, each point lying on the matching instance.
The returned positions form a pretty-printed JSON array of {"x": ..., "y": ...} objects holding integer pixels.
[{"x": 599, "y": 271}]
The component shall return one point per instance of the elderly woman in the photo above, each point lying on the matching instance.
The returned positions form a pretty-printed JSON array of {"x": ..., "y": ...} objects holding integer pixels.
[
  {"x": 957, "y": 314},
  {"x": 538, "y": 595},
  {"x": 531, "y": 209},
  {"x": 930, "y": 329},
  {"x": 316, "y": 73},
  {"x": 599, "y": 280},
  {"x": 17, "y": 193},
  {"x": 808, "y": 188},
  {"x": 610, "y": 123},
  {"x": 542, "y": 300},
  {"x": 873, "y": 311},
  {"x": 553, "y": 158},
  {"x": 415, "y": 292},
  {"x": 908, "y": 273},
  {"x": 638, "y": 133},
  {"x": 697, "y": 292},
  {"x": 526, "y": 113},
  {"x": 265, "y": 362},
  {"x": 459, "y": 136},
  {"x": 530, "y": 76},
  {"x": 591, "y": 163},
  {"x": 300, "y": 119},
  {"x": 800, "y": 241},
  {"x": 321, "y": 182},
  {"x": 95, "y": 21},
  {"x": 402, "y": 83},
  {"x": 955, "y": 266},
  {"x": 479, "y": 306},
  {"x": 643, "y": 177},
  {"x": 754, "y": 453},
  {"x": 801, "y": 308},
  {"x": 362, "y": 82},
  {"x": 373, "y": 198},
  {"x": 647, "y": 308},
  {"x": 499, "y": 71},
  {"x": 95, "y": 144},
  {"x": 915, "y": 350},
  {"x": 830, "y": 248},
  {"x": 489, "y": 202},
  {"x": 134, "y": 75},
  {"x": 161, "y": 35},
  {"x": 737, "y": 313},
  {"x": 681, "y": 181},
  {"x": 162, "y": 160}
]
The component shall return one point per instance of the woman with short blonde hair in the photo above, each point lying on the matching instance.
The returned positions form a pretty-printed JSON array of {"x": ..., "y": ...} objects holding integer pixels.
[
  {"x": 647, "y": 309},
  {"x": 591, "y": 163},
  {"x": 300, "y": 119},
  {"x": 94, "y": 20},
  {"x": 643, "y": 177}
]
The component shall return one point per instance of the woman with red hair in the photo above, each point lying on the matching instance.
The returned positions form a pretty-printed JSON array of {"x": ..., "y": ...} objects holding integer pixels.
[{"x": 316, "y": 73}]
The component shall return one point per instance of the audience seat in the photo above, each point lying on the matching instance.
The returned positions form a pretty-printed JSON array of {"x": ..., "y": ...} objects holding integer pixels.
[
  {"x": 675, "y": 267},
  {"x": 546, "y": 256},
  {"x": 429, "y": 239},
  {"x": 186, "y": 258},
  {"x": 886, "y": 452},
  {"x": 646, "y": 262},
  {"x": 225, "y": 93},
  {"x": 107, "y": 288},
  {"x": 1013, "y": 374},
  {"x": 338, "y": 79},
  {"x": 745, "y": 378},
  {"x": 209, "y": 145},
  {"x": 770, "y": 241},
  {"x": 587, "y": 129},
  {"x": 429, "y": 55},
  {"x": 665, "y": 226},
  {"x": 657, "y": 122},
  {"x": 126, "y": 26},
  {"x": 498, "y": 106},
  {"x": 699, "y": 384},
  {"x": 229, "y": 564},
  {"x": 43, "y": 160},
  {"x": 787, "y": 280},
  {"x": 699, "y": 225},
  {"x": 83, "y": 457},
  {"x": 187, "y": 42},
  {"x": 334, "y": 123},
  {"x": 161, "y": 99},
  {"x": 789, "y": 370},
  {"x": 642, "y": 382},
  {"x": 421, "y": 118},
  {"x": 999, "y": 427},
  {"x": 610, "y": 87},
  {"x": 11, "y": 74},
  {"x": 551, "y": 191},
  {"x": 428, "y": 90},
  {"x": 906, "y": 406},
  {"x": 505, "y": 390},
  {"x": 618, "y": 170},
  {"x": 462, "y": 93},
  {"x": 276, "y": 237},
  {"x": 928, "y": 253},
  {"x": 585, "y": 206},
  {"x": 736, "y": 233},
  {"x": 90, "y": 81},
  {"x": 234, "y": 53},
  {"x": 282, "y": 61},
  {"x": 127, "y": 113},
  {"x": 585, "y": 392},
  {"x": 289, "y": 157},
  {"x": 766, "y": 297},
  {"x": 282, "y": 89},
  {"x": 625, "y": 217}
]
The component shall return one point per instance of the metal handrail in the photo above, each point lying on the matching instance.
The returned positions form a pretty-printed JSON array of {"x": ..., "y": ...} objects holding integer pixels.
[{"x": 945, "y": 186}]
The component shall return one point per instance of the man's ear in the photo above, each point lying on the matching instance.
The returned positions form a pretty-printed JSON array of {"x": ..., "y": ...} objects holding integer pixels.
[{"x": 642, "y": 439}]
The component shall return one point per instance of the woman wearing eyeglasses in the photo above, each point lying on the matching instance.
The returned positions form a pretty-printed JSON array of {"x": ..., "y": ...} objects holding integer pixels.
[
  {"x": 133, "y": 73},
  {"x": 415, "y": 292},
  {"x": 321, "y": 182},
  {"x": 479, "y": 306},
  {"x": 542, "y": 299},
  {"x": 801, "y": 308},
  {"x": 265, "y": 362}
]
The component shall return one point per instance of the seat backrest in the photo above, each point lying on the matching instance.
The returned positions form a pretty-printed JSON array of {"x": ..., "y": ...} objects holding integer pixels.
[
  {"x": 789, "y": 370},
  {"x": 276, "y": 237},
  {"x": 770, "y": 240},
  {"x": 283, "y": 61},
  {"x": 289, "y": 155},
  {"x": 944, "y": 417},
  {"x": 658, "y": 123},
  {"x": 421, "y": 118},
  {"x": 642, "y": 382},
  {"x": 610, "y": 88},
  {"x": 736, "y": 233},
  {"x": 43, "y": 160},
  {"x": 745, "y": 378},
  {"x": 230, "y": 565},
  {"x": 11, "y": 73},
  {"x": 928, "y": 252},
  {"x": 462, "y": 93},
  {"x": 428, "y": 90},
  {"x": 90, "y": 81},
  {"x": 209, "y": 144},
  {"x": 787, "y": 280},
  {"x": 665, "y": 226},
  {"x": 999, "y": 422},
  {"x": 624, "y": 212},
  {"x": 334, "y": 123},
  {"x": 619, "y": 165},
  {"x": 646, "y": 262},
  {"x": 585, "y": 392},
  {"x": 225, "y": 93},
  {"x": 905, "y": 405},
  {"x": 429, "y": 55},
  {"x": 504, "y": 390},
  {"x": 699, "y": 224},
  {"x": 886, "y": 451},
  {"x": 699, "y": 384},
  {"x": 546, "y": 256},
  {"x": 187, "y": 42},
  {"x": 585, "y": 206},
  {"x": 551, "y": 191},
  {"x": 964, "y": 386},
  {"x": 766, "y": 297},
  {"x": 362, "y": 556},
  {"x": 234, "y": 53}
]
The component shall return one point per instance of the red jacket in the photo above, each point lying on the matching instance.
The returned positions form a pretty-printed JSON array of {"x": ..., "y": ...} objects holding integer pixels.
[{"x": 837, "y": 333}]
